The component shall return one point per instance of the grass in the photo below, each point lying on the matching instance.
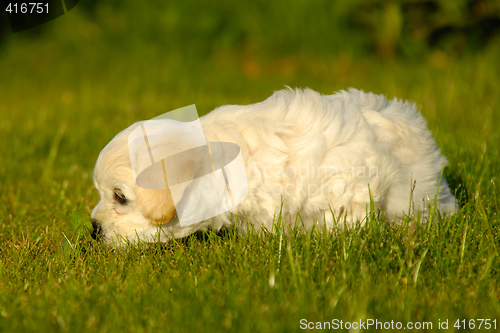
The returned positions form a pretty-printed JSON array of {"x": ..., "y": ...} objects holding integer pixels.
[{"x": 62, "y": 101}]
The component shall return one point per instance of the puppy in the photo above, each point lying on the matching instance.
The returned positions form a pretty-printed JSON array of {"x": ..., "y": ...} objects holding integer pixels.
[{"x": 321, "y": 156}]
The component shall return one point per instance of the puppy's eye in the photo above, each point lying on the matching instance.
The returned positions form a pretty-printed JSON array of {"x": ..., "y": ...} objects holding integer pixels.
[{"x": 120, "y": 197}]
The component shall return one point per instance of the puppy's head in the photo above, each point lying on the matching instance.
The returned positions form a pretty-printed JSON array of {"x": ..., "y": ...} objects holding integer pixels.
[{"x": 127, "y": 212}]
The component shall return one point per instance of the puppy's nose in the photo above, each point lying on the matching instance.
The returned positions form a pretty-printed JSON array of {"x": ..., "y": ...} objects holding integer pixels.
[{"x": 97, "y": 230}]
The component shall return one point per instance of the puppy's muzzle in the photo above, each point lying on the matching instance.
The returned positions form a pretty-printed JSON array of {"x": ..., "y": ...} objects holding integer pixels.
[{"x": 97, "y": 230}]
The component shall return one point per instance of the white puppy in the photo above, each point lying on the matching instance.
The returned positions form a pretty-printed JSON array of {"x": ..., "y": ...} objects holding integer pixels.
[{"x": 320, "y": 156}]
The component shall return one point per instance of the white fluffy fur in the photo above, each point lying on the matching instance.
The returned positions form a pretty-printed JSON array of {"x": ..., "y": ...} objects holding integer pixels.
[{"x": 304, "y": 152}]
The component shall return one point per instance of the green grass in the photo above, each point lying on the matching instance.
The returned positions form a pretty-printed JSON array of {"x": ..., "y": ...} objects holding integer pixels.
[{"x": 64, "y": 95}]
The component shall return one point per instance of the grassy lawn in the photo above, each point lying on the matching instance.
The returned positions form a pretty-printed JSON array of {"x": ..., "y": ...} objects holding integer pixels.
[{"x": 66, "y": 93}]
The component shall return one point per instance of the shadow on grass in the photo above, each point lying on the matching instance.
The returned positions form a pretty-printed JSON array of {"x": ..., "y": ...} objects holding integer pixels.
[{"x": 457, "y": 186}]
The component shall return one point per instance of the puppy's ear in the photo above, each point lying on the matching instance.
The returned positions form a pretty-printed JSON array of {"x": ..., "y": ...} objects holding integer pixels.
[{"x": 156, "y": 205}]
